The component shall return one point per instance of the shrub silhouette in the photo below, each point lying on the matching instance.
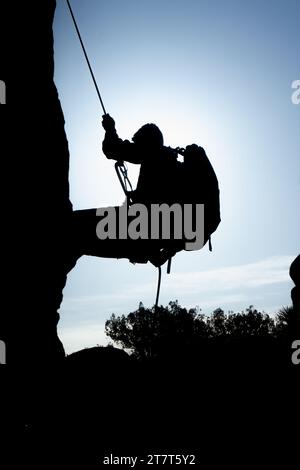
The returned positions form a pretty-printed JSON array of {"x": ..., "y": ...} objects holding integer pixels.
[{"x": 150, "y": 332}]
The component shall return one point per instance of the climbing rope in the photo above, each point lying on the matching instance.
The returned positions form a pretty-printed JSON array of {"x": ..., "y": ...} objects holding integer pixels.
[
  {"x": 86, "y": 56},
  {"x": 158, "y": 287},
  {"x": 120, "y": 167}
]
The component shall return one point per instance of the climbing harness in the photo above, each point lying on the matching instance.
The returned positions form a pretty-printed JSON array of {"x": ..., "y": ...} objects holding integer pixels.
[{"x": 122, "y": 173}]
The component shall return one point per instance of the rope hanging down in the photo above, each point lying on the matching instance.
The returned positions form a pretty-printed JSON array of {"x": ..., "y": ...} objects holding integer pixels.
[
  {"x": 158, "y": 287},
  {"x": 86, "y": 56}
]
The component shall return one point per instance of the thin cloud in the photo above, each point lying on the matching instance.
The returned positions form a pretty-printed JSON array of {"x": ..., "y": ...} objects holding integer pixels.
[
  {"x": 225, "y": 280},
  {"x": 269, "y": 271}
]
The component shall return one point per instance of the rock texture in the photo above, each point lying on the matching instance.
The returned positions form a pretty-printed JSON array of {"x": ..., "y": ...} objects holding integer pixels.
[
  {"x": 38, "y": 160},
  {"x": 295, "y": 293}
]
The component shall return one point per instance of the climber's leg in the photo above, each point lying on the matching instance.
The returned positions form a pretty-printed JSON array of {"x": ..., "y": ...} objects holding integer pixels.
[{"x": 86, "y": 242}]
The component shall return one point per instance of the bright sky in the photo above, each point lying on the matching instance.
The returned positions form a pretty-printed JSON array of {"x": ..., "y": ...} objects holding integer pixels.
[{"x": 210, "y": 72}]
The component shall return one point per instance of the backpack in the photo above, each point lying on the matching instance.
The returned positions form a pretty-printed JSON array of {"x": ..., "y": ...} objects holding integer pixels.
[
  {"x": 192, "y": 181},
  {"x": 200, "y": 185}
]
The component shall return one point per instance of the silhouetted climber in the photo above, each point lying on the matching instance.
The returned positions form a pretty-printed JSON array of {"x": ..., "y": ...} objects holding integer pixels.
[{"x": 162, "y": 177}]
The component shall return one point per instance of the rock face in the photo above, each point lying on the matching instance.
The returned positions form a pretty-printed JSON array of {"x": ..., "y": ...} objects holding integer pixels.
[
  {"x": 295, "y": 293},
  {"x": 37, "y": 152}
]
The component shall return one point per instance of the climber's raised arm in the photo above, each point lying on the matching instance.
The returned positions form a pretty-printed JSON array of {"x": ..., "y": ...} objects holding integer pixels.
[{"x": 114, "y": 147}]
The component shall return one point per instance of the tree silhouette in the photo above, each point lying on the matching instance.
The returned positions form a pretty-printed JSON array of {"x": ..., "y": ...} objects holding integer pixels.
[
  {"x": 286, "y": 320},
  {"x": 150, "y": 332},
  {"x": 249, "y": 323}
]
